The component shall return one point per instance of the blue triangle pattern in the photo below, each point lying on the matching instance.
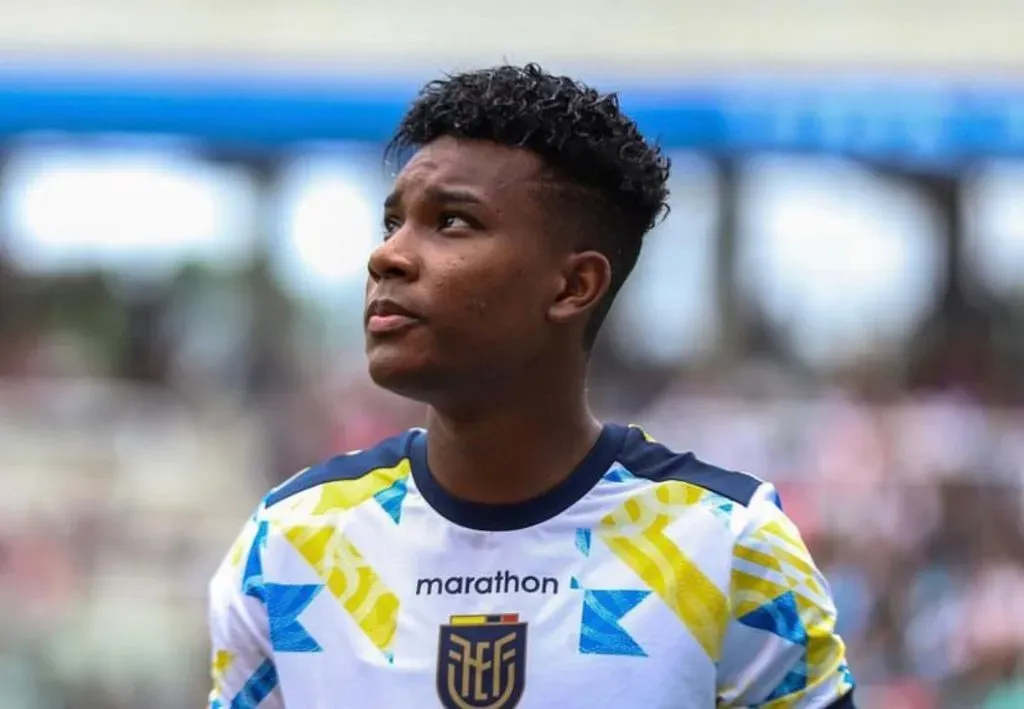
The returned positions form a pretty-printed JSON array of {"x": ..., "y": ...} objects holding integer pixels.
[
  {"x": 285, "y": 603},
  {"x": 258, "y": 687},
  {"x": 574, "y": 583},
  {"x": 794, "y": 681},
  {"x": 618, "y": 474},
  {"x": 583, "y": 537},
  {"x": 780, "y": 617},
  {"x": 252, "y": 576},
  {"x": 844, "y": 672},
  {"x": 391, "y": 499},
  {"x": 721, "y": 507},
  {"x": 600, "y": 631}
]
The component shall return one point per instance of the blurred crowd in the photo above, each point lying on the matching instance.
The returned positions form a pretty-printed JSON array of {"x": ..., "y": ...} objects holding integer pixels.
[
  {"x": 913, "y": 509},
  {"x": 123, "y": 501},
  {"x": 139, "y": 427}
]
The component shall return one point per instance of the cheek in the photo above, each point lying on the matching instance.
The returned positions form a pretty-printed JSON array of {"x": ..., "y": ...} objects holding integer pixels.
[{"x": 495, "y": 300}]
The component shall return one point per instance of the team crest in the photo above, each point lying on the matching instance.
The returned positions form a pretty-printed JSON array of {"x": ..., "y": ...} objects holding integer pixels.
[{"x": 481, "y": 662}]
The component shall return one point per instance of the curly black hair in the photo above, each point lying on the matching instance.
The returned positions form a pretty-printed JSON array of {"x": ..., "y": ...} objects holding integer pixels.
[{"x": 610, "y": 179}]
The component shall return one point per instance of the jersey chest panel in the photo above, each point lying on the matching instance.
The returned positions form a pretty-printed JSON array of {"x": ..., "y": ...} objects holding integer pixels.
[{"x": 535, "y": 618}]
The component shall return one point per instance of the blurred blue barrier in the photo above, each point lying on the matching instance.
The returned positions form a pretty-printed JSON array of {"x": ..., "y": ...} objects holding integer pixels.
[{"x": 927, "y": 124}]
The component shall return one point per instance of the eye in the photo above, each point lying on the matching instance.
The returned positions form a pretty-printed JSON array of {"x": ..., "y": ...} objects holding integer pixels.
[
  {"x": 390, "y": 225},
  {"x": 456, "y": 221}
]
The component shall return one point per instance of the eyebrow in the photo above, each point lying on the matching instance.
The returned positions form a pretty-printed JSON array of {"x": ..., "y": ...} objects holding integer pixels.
[{"x": 445, "y": 195}]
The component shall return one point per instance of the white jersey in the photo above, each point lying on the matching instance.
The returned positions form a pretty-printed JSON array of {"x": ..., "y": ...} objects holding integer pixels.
[{"x": 646, "y": 580}]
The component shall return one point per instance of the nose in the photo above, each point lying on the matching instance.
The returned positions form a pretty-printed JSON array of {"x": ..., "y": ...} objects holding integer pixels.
[{"x": 393, "y": 259}]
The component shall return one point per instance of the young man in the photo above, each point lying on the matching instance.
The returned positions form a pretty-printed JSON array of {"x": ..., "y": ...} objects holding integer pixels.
[{"x": 516, "y": 552}]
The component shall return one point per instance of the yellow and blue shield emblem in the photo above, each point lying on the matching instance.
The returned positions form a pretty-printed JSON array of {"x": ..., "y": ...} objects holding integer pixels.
[{"x": 481, "y": 662}]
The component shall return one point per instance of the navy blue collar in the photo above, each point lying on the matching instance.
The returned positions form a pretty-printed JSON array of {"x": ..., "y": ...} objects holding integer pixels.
[{"x": 493, "y": 518}]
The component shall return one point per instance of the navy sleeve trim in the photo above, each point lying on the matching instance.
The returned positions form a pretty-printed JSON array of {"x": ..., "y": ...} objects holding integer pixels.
[
  {"x": 653, "y": 461},
  {"x": 352, "y": 466}
]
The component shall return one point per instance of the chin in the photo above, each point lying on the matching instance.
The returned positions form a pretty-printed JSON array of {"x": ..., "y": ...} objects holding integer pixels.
[{"x": 402, "y": 373}]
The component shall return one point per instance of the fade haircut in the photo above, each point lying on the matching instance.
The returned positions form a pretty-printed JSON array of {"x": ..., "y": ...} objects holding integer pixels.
[{"x": 604, "y": 175}]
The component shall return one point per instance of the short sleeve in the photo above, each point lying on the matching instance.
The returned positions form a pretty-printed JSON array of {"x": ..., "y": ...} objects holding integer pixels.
[
  {"x": 243, "y": 671},
  {"x": 781, "y": 650}
]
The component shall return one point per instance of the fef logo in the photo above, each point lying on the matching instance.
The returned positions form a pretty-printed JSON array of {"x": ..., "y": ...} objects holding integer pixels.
[{"x": 481, "y": 662}]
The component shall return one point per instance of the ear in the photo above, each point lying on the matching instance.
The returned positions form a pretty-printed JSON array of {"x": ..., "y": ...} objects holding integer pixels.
[{"x": 586, "y": 276}]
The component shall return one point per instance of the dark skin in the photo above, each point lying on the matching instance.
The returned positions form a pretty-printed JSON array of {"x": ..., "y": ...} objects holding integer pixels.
[{"x": 477, "y": 302}]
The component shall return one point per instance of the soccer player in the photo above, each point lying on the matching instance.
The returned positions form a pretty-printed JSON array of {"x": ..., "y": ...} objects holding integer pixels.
[{"x": 516, "y": 552}]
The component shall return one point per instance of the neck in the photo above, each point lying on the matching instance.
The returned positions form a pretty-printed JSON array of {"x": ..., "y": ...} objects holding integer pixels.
[{"x": 515, "y": 448}]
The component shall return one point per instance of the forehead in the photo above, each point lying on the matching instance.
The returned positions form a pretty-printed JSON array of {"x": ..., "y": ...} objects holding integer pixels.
[{"x": 489, "y": 169}]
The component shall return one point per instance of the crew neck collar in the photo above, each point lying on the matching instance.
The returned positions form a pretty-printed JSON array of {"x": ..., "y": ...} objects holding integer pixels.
[{"x": 520, "y": 515}]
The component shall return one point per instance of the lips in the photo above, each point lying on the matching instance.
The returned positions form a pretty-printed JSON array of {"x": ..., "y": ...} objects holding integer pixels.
[{"x": 384, "y": 316}]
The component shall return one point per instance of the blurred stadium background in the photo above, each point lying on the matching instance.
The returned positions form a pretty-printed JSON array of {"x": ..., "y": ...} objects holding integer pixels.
[{"x": 188, "y": 194}]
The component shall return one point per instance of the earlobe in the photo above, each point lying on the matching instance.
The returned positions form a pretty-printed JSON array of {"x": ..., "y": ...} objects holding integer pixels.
[{"x": 585, "y": 280}]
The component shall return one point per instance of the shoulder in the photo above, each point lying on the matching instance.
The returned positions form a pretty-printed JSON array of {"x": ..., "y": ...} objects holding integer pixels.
[
  {"x": 390, "y": 456},
  {"x": 763, "y": 535},
  {"x": 645, "y": 458}
]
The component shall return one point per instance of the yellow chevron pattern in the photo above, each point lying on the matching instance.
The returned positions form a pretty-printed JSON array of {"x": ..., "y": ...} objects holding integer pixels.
[
  {"x": 635, "y": 533},
  {"x": 222, "y": 660},
  {"x": 350, "y": 579},
  {"x": 343, "y": 495},
  {"x": 777, "y": 562},
  {"x": 346, "y": 573}
]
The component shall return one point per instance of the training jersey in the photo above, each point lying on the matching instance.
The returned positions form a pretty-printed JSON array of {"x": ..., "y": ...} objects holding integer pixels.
[{"x": 647, "y": 579}]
